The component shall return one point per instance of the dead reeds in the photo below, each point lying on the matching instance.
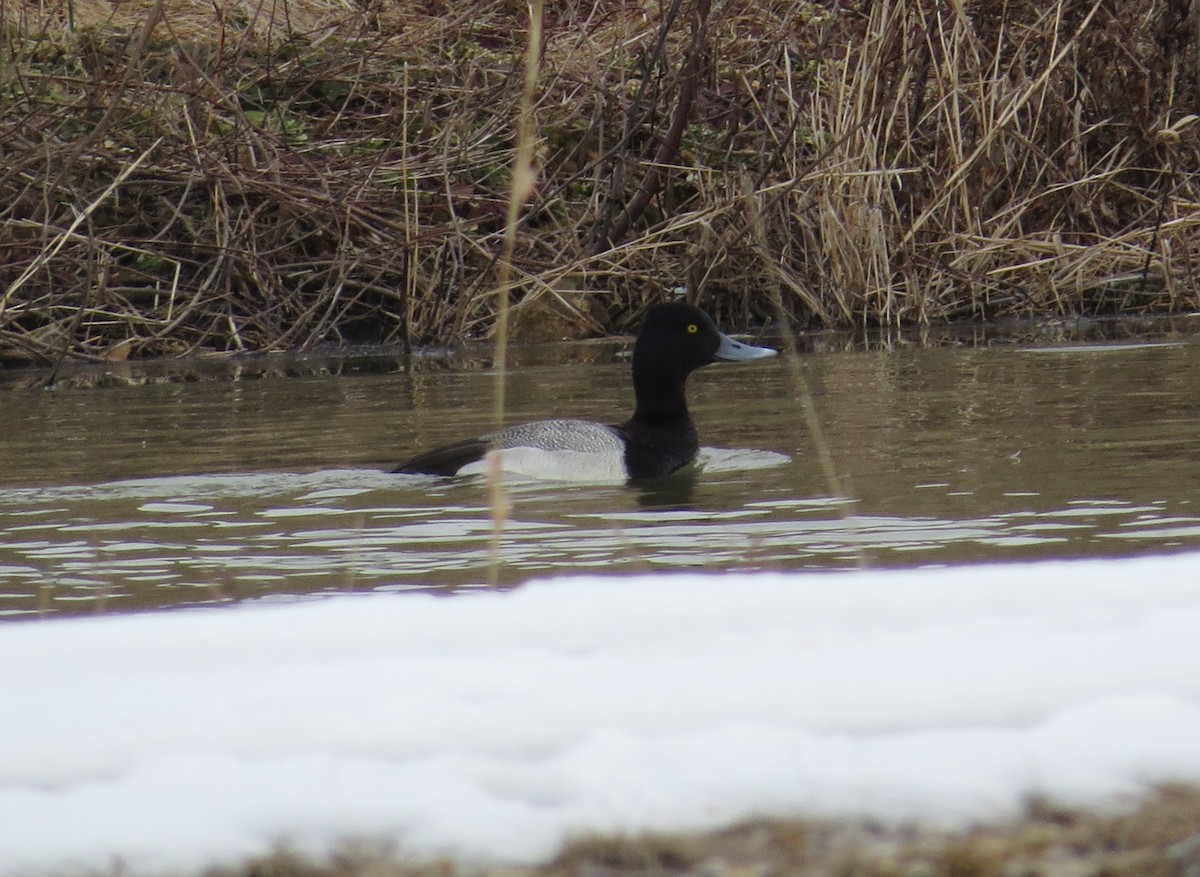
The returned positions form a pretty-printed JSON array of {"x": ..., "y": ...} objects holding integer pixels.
[{"x": 180, "y": 177}]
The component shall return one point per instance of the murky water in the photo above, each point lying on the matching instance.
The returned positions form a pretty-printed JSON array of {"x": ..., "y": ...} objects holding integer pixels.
[{"x": 202, "y": 491}]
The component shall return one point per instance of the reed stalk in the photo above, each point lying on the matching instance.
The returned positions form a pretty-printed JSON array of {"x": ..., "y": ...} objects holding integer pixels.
[
  {"x": 520, "y": 190},
  {"x": 841, "y": 490}
]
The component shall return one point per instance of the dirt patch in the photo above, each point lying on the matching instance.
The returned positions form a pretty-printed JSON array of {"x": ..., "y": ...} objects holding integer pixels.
[{"x": 1156, "y": 837}]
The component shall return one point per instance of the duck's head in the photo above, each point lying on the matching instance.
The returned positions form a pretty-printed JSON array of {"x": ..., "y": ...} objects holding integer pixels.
[
  {"x": 676, "y": 339},
  {"x": 677, "y": 336}
]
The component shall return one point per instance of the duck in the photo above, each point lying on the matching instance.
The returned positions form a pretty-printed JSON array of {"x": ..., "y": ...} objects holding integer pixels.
[{"x": 658, "y": 440}]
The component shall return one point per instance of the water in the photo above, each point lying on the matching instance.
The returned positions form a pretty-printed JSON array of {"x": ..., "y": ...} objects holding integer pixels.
[{"x": 264, "y": 480}]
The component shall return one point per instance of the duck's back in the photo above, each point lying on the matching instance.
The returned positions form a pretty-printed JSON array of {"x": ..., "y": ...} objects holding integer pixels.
[
  {"x": 546, "y": 448},
  {"x": 584, "y": 436}
]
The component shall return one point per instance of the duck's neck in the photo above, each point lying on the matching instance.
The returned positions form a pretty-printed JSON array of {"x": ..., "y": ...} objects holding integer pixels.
[
  {"x": 660, "y": 403},
  {"x": 660, "y": 437}
]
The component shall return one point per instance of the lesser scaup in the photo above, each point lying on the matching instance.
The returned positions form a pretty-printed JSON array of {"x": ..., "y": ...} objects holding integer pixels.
[{"x": 658, "y": 439}]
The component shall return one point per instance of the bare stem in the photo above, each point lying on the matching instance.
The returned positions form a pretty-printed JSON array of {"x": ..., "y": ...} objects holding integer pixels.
[{"x": 521, "y": 188}]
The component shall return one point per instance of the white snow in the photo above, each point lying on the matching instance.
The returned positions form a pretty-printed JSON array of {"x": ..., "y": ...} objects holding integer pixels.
[{"x": 494, "y": 725}]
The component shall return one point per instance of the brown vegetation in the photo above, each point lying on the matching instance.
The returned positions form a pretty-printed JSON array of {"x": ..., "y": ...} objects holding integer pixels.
[
  {"x": 1157, "y": 838},
  {"x": 179, "y": 176}
]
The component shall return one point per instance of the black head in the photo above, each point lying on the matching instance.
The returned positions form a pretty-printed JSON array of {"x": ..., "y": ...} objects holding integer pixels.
[{"x": 676, "y": 339}]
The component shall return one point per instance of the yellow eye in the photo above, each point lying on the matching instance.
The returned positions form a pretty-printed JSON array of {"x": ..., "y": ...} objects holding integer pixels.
[{"x": 693, "y": 328}]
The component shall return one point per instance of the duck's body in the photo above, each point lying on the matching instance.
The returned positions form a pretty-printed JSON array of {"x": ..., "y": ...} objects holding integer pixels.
[
  {"x": 559, "y": 449},
  {"x": 657, "y": 440}
]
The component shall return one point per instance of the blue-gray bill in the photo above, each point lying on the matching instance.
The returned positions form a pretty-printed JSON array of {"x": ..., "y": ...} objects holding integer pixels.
[{"x": 736, "y": 351}]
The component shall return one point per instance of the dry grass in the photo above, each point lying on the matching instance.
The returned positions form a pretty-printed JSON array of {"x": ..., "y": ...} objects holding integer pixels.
[
  {"x": 178, "y": 176},
  {"x": 1158, "y": 838}
]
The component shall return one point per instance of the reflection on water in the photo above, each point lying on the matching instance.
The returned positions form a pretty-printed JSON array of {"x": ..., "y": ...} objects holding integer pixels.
[{"x": 209, "y": 491}]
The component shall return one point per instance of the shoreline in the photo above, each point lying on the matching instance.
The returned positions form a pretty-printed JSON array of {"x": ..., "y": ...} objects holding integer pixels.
[
  {"x": 1155, "y": 834},
  {"x": 334, "y": 358}
]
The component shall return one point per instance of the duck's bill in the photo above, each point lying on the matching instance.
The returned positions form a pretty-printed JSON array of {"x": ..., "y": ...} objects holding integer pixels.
[{"x": 736, "y": 351}]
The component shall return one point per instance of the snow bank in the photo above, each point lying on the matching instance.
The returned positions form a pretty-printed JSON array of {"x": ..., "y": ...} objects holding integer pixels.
[{"x": 495, "y": 724}]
